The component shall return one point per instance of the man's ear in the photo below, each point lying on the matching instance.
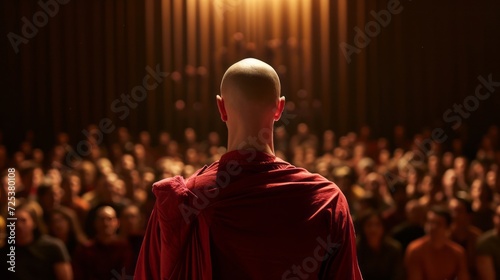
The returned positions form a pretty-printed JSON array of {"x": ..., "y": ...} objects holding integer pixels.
[
  {"x": 222, "y": 108},
  {"x": 279, "y": 110}
]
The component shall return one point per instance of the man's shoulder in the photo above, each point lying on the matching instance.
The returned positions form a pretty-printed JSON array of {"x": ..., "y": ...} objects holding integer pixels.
[
  {"x": 417, "y": 245},
  {"x": 49, "y": 241},
  {"x": 488, "y": 237},
  {"x": 455, "y": 247}
]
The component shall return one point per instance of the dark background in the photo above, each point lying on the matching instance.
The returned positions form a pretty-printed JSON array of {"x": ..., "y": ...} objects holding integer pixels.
[{"x": 68, "y": 75}]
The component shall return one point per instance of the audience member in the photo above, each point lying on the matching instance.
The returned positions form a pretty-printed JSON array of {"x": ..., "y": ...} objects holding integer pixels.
[
  {"x": 488, "y": 251},
  {"x": 379, "y": 256},
  {"x": 435, "y": 256},
  {"x": 106, "y": 256}
]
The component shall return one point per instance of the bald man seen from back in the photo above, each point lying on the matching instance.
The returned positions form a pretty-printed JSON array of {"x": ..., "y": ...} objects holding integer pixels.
[{"x": 249, "y": 215}]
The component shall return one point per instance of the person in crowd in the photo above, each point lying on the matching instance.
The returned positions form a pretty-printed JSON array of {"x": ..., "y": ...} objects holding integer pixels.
[
  {"x": 413, "y": 227},
  {"x": 107, "y": 256},
  {"x": 31, "y": 177},
  {"x": 488, "y": 251},
  {"x": 49, "y": 196},
  {"x": 71, "y": 185},
  {"x": 462, "y": 232},
  {"x": 460, "y": 168},
  {"x": 379, "y": 256},
  {"x": 64, "y": 225},
  {"x": 132, "y": 229},
  {"x": 88, "y": 175},
  {"x": 37, "y": 255},
  {"x": 482, "y": 198},
  {"x": 430, "y": 192},
  {"x": 435, "y": 256},
  {"x": 396, "y": 214}
]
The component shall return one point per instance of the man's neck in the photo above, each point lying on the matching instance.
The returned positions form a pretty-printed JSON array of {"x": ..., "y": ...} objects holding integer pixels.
[
  {"x": 437, "y": 242},
  {"x": 258, "y": 140}
]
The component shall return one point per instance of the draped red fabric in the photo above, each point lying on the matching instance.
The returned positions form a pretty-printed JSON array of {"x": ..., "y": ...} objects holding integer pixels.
[{"x": 249, "y": 216}]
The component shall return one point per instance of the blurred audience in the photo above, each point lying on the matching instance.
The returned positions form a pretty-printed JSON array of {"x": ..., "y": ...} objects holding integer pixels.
[{"x": 95, "y": 206}]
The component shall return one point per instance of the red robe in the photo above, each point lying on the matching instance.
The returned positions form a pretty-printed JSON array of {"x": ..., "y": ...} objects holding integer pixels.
[{"x": 249, "y": 216}]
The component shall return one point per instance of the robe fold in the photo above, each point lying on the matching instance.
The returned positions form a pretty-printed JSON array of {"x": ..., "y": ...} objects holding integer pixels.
[{"x": 249, "y": 215}]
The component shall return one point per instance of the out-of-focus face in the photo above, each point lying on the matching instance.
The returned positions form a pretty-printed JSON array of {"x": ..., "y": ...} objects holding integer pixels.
[
  {"x": 75, "y": 184},
  {"x": 459, "y": 165},
  {"x": 449, "y": 178},
  {"x": 131, "y": 219},
  {"x": 164, "y": 138},
  {"x": 372, "y": 183},
  {"x": 475, "y": 189},
  {"x": 106, "y": 222},
  {"x": 191, "y": 156},
  {"x": 123, "y": 134},
  {"x": 190, "y": 135},
  {"x": 374, "y": 228},
  {"x": 359, "y": 151},
  {"x": 435, "y": 225},
  {"x": 478, "y": 170},
  {"x": 59, "y": 225},
  {"x": 433, "y": 163},
  {"x": 491, "y": 179},
  {"x": 145, "y": 138},
  {"x": 37, "y": 176},
  {"x": 447, "y": 160},
  {"x": 427, "y": 185},
  {"x": 496, "y": 219},
  {"x": 38, "y": 155},
  {"x": 139, "y": 151},
  {"x": 214, "y": 139},
  {"x": 384, "y": 156},
  {"x": 328, "y": 135},
  {"x": 458, "y": 211},
  {"x": 24, "y": 224},
  {"x": 412, "y": 176},
  {"x": 55, "y": 175},
  {"x": 302, "y": 129},
  {"x": 88, "y": 173},
  {"x": 128, "y": 162},
  {"x": 50, "y": 198}
]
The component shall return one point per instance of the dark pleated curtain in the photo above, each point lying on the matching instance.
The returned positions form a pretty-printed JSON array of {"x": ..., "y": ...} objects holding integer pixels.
[{"x": 426, "y": 59}]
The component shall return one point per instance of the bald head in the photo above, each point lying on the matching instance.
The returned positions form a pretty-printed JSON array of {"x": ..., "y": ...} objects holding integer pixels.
[
  {"x": 251, "y": 81},
  {"x": 250, "y": 103}
]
